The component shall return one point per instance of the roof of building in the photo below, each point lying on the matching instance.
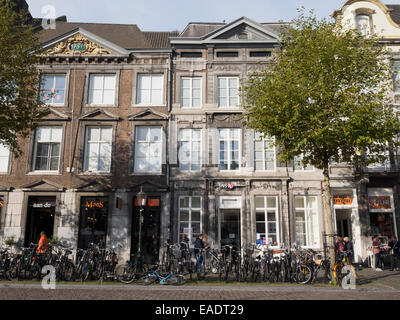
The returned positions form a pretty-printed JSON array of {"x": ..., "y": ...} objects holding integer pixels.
[
  {"x": 198, "y": 29},
  {"x": 127, "y": 36},
  {"x": 395, "y": 13}
]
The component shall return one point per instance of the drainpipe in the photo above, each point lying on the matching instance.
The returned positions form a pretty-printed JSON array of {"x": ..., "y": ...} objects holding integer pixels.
[{"x": 170, "y": 101}]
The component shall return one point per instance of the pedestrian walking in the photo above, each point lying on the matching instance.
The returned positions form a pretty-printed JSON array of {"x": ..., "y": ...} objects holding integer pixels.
[
  {"x": 376, "y": 245},
  {"x": 394, "y": 246}
]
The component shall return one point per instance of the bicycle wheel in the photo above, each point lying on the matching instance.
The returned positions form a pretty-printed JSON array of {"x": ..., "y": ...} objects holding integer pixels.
[
  {"x": 303, "y": 274},
  {"x": 124, "y": 273},
  {"x": 176, "y": 280},
  {"x": 147, "y": 279},
  {"x": 67, "y": 271}
]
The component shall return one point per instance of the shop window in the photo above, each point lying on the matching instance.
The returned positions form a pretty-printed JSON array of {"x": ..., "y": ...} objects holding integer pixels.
[
  {"x": 190, "y": 217},
  {"x": 229, "y": 149},
  {"x": 102, "y": 89},
  {"x": 267, "y": 220},
  {"x": 150, "y": 89},
  {"x": 264, "y": 153},
  {"x": 98, "y": 149},
  {"x": 306, "y": 218},
  {"x": 189, "y": 150},
  {"x": 46, "y": 153},
  {"x": 93, "y": 221},
  {"x": 148, "y": 149},
  {"x": 191, "y": 92},
  {"x": 4, "y": 158},
  {"x": 228, "y": 89},
  {"x": 53, "y": 89}
]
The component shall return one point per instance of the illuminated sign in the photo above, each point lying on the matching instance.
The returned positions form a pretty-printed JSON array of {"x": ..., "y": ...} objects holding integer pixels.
[
  {"x": 94, "y": 204},
  {"x": 381, "y": 202},
  {"x": 343, "y": 200}
]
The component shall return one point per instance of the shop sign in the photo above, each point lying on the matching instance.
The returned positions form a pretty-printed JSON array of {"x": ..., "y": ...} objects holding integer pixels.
[
  {"x": 40, "y": 205},
  {"x": 229, "y": 186},
  {"x": 95, "y": 204},
  {"x": 343, "y": 200},
  {"x": 379, "y": 202}
]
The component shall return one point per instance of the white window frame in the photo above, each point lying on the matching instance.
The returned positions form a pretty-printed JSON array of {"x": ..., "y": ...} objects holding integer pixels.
[
  {"x": 103, "y": 75},
  {"x": 147, "y": 141},
  {"x": 190, "y": 208},
  {"x": 100, "y": 142},
  {"x": 307, "y": 210},
  {"x": 139, "y": 95},
  {"x": 266, "y": 142},
  {"x": 265, "y": 210},
  {"x": 4, "y": 156},
  {"x": 301, "y": 168},
  {"x": 396, "y": 77},
  {"x": 229, "y": 150},
  {"x": 363, "y": 28},
  {"x": 54, "y": 76},
  {"x": 228, "y": 97},
  {"x": 191, "y": 92},
  {"x": 190, "y": 151},
  {"x": 50, "y": 149}
]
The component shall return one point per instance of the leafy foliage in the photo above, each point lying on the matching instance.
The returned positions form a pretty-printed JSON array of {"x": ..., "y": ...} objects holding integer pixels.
[
  {"x": 20, "y": 108},
  {"x": 325, "y": 94}
]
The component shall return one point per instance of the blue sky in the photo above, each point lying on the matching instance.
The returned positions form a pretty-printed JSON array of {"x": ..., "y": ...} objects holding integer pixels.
[{"x": 168, "y": 15}]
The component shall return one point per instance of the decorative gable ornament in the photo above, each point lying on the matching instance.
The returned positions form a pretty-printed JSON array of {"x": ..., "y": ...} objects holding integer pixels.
[{"x": 78, "y": 45}]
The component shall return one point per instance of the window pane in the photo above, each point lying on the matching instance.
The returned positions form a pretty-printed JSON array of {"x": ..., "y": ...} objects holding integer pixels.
[
  {"x": 184, "y": 202},
  {"x": 195, "y": 215},
  {"x": 299, "y": 202},
  {"x": 260, "y": 202},
  {"x": 260, "y": 227},
  {"x": 184, "y": 215},
  {"x": 196, "y": 203},
  {"x": 271, "y": 202},
  {"x": 109, "y": 82},
  {"x": 260, "y": 216}
]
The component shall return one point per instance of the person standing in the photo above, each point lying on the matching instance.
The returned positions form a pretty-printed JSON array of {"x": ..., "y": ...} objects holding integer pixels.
[
  {"x": 394, "y": 246},
  {"x": 198, "y": 251},
  {"x": 348, "y": 247},
  {"x": 339, "y": 247},
  {"x": 43, "y": 243},
  {"x": 376, "y": 244}
]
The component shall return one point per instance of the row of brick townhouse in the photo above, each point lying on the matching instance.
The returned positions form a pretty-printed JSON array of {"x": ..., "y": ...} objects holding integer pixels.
[{"x": 160, "y": 111}]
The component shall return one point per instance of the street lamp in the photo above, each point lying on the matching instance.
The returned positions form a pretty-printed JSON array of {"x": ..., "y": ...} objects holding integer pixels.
[{"x": 141, "y": 198}]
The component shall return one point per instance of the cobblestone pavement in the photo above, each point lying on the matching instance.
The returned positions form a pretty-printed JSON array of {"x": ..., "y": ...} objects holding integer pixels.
[{"x": 372, "y": 285}]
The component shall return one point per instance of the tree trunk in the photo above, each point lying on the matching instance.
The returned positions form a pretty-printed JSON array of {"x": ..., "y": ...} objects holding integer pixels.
[{"x": 329, "y": 218}]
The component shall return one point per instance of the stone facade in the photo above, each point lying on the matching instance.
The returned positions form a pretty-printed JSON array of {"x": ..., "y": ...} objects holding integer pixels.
[{"x": 200, "y": 69}]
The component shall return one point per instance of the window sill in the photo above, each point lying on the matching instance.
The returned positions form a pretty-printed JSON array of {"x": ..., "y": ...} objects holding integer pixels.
[
  {"x": 146, "y": 174},
  {"x": 100, "y": 106},
  {"x": 149, "y": 106},
  {"x": 61, "y": 105},
  {"x": 95, "y": 174},
  {"x": 44, "y": 173}
]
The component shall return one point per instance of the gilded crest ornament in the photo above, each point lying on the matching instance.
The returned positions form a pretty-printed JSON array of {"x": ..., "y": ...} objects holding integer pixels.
[{"x": 78, "y": 45}]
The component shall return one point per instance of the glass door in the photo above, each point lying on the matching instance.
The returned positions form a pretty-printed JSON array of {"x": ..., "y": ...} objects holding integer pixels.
[{"x": 230, "y": 227}]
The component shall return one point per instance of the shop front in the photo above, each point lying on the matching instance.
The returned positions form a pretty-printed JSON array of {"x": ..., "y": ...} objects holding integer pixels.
[
  {"x": 40, "y": 217},
  {"x": 382, "y": 213},
  {"x": 229, "y": 220},
  {"x": 150, "y": 233},
  {"x": 93, "y": 221}
]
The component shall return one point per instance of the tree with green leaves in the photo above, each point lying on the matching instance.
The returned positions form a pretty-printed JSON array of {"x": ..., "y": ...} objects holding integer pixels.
[
  {"x": 20, "y": 106},
  {"x": 324, "y": 96}
]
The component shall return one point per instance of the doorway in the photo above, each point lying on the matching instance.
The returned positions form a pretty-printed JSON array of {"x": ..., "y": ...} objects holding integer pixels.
[
  {"x": 150, "y": 230},
  {"x": 40, "y": 217},
  {"x": 230, "y": 227},
  {"x": 343, "y": 222}
]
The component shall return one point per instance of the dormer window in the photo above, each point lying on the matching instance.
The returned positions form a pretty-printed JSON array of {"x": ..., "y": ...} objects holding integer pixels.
[{"x": 363, "y": 23}]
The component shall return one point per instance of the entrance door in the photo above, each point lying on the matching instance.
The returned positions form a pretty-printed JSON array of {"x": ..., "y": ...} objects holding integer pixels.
[
  {"x": 150, "y": 230},
  {"x": 343, "y": 222},
  {"x": 40, "y": 217},
  {"x": 230, "y": 226}
]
